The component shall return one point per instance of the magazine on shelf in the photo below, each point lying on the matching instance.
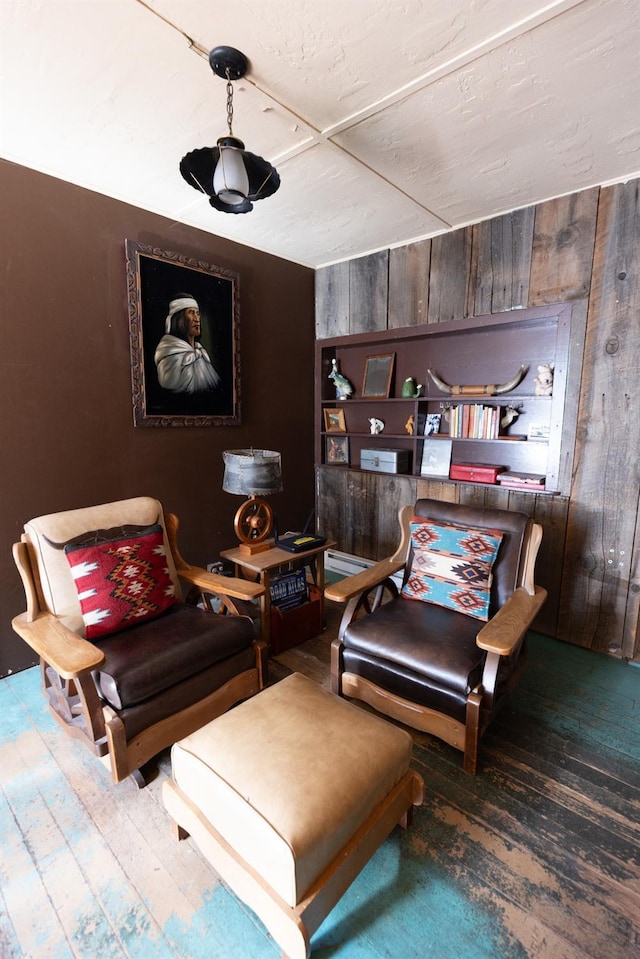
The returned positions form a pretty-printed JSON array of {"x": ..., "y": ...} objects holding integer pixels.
[
  {"x": 436, "y": 457},
  {"x": 289, "y": 589}
]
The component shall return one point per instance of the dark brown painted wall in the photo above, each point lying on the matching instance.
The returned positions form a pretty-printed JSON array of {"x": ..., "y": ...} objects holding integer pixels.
[{"x": 67, "y": 434}]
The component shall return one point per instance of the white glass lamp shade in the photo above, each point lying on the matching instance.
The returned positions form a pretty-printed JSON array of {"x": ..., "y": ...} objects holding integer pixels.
[{"x": 230, "y": 177}]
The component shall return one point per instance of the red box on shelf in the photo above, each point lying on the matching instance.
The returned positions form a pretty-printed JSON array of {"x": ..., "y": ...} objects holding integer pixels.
[
  {"x": 289, "y": 627},
  {"x": 475, "y": 472}
]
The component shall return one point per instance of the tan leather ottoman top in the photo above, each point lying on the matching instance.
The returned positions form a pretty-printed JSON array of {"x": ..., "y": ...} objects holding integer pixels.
[{"x": 288, "y": 777}]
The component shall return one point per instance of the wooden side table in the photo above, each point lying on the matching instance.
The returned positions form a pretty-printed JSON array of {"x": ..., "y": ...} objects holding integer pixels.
[{"x": 262, "y": 566}]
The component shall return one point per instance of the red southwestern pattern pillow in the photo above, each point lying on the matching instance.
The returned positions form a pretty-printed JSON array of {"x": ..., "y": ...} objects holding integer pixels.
[{"x": 121, "y": 582}]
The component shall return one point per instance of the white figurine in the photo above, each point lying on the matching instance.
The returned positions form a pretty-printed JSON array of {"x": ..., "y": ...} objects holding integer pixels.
[
  {"x": 376, "y": 425},
  {"x": 544, "y": 380}
]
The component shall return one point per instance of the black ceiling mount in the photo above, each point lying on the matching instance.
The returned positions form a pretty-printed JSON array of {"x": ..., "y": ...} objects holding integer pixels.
[{"x": 223, "y": 59}]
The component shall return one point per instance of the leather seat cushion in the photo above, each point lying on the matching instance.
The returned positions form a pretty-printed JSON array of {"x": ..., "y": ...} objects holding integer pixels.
[
  {"x": 150, "y": 658},
  {"x": 136, "y": 719},
  {"x": 429, "y": 642},
  {"x": 406, "y": 685}
]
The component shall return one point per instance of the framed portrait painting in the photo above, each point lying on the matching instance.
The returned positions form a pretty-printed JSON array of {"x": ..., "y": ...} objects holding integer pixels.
[{"x": 184, "y": 334}]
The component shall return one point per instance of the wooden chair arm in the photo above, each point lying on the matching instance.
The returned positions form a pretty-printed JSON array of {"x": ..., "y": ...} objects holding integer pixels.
[
  {"x": 27, "y": 575},
  {"x": 208, "y": 582},
  {"x": 502, "y": 634},
  {"x": 69, "y": 654},
  {"x": 221, "y": 585},
  {"x": 345, "y": 589}
]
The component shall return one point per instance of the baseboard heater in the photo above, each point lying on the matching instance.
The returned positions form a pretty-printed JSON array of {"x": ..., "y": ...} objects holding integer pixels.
[{"x": 346, "y": 564}]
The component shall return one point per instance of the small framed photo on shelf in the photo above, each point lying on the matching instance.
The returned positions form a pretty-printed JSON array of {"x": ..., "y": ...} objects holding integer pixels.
[
  {"x": 334, "y": 421},
  {"x": 337, "y": 450},
  {"x": 436, "y": 458},
  {"x": 432, "y": 424},
  {"x": 378, "y": 371}
]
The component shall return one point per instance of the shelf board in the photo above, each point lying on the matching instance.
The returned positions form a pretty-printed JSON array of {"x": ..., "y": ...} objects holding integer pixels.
[
  {"x": 434, "y": 436},
  {"x": 371, "y": 400},
  {"x": 375, "y": 436},
  {"x": 482, "y": 397},
  {"x": 443, "y": 479},
  {"x": 504, "y": 399},
  {"x": 479, "y": 439}
]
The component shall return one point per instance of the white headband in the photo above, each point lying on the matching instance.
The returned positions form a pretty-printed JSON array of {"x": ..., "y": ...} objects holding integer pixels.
[{"x": 185, "y": 303}]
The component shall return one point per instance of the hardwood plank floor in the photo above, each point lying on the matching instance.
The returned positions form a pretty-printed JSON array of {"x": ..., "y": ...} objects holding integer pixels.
[{"x": 537, "y": 856}]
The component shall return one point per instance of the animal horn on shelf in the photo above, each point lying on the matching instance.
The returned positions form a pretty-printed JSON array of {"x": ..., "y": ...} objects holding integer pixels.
[{"x": 487, "y": 390}]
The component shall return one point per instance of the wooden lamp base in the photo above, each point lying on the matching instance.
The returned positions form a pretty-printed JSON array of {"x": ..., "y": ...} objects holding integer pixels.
[
  {"x": 250, "y": 549},
  {"x": 253, "y": 524}
]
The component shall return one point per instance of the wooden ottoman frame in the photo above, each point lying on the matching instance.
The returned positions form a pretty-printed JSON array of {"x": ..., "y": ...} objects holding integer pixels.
[{"x": 293, "y": 926}]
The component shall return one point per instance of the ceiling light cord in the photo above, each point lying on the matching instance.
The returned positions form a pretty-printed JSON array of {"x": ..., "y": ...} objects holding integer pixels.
[{"x": 229, "y": 104}]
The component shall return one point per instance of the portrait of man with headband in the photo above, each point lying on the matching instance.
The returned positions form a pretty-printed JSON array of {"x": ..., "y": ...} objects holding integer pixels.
[{"x": 183, "y": 364}]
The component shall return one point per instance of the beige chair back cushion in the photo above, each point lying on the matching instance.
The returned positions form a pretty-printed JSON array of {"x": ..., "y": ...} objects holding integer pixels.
[{"x": 57, "y": 589}]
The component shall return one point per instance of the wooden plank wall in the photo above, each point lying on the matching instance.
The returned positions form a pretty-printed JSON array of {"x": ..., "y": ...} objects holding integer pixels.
[
  {"x": 601, "y": 583},
  {"x": 582, "y": 247}
]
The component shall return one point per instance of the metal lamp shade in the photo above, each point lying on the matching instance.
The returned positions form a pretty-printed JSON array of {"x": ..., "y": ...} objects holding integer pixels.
[{"x": 252, "y": 472}]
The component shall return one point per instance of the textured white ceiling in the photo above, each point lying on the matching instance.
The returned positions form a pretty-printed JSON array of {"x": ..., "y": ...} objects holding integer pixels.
[{"x": 388, "y": 120}]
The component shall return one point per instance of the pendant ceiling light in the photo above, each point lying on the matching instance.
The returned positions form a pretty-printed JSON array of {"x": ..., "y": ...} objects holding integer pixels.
[{"x": 231, "y": 177}]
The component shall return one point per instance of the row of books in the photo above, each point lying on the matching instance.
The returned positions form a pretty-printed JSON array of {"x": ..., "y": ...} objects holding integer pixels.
[
  {"x": 289, "y": 590},
  {"x": 475, "y": 421}
]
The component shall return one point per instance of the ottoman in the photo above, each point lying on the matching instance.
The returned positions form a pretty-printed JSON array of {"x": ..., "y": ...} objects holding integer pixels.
[{"x": 288, "y": 796}]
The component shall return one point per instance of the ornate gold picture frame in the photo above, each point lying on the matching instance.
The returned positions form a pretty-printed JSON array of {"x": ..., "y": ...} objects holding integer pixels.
[{"x": 182, "y": 375}]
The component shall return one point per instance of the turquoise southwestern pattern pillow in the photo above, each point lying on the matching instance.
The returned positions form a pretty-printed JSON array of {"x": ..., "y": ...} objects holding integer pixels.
[{"x": 452, "y": 566}]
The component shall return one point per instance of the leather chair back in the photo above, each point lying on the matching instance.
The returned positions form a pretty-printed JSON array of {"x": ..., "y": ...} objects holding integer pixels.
[{"x": 506, "y": 569}]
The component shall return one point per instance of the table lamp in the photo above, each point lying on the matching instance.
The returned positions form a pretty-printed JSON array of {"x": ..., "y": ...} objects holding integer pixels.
[{"x": 253, "y": 473}]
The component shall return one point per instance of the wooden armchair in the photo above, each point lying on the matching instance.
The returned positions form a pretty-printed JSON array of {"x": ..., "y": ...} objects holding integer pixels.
[
  {"x": 441, "y": 655},
  {"x": 154, "y": 668}
]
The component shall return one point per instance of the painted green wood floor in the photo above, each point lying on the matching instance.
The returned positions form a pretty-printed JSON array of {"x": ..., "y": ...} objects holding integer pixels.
[{"x": 539, "y": 855}]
